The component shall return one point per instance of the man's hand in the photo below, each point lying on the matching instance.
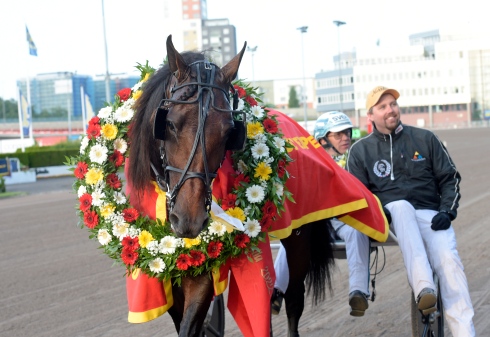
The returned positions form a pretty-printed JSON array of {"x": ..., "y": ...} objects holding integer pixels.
[
  {"x": 387, "y": 214},
  {"x": 441, "y": 221}
]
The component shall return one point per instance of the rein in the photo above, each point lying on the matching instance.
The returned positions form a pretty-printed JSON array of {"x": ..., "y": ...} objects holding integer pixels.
[{"x": 200, "y": 139}]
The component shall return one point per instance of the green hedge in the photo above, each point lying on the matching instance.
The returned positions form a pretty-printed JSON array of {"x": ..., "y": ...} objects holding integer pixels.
[{"x": 42, "y": 156}]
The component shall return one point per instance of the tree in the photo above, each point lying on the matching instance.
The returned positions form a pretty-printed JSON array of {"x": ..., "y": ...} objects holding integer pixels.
[
  {"x": 293, "y": 98},
  {"x": 8, "y": 109}
]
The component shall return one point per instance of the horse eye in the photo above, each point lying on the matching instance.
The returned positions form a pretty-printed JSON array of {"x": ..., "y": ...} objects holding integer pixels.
[{"x": 171, "y": 126}]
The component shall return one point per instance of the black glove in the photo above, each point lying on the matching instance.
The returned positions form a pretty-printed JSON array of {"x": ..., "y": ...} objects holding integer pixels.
[
  {"x": 441, "y": 221},
  {"x": 387, "y": 214}
]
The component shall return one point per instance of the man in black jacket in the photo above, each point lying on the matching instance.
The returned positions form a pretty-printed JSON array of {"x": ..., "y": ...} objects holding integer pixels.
[{"x": 412, "y": 174}]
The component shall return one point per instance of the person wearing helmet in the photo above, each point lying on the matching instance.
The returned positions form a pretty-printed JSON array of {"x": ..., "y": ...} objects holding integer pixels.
[{"x": 333, "y": 130}]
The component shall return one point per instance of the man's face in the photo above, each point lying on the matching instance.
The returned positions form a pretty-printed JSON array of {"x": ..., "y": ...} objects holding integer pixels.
[
  {"x": 385, "y": 114},
  {"x": 340, "y": 140}
]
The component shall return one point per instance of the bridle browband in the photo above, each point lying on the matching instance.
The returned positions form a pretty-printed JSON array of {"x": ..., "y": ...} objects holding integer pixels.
[{"x": 203, "y": 101}]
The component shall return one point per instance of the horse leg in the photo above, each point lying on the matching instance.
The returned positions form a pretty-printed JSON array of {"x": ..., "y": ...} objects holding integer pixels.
[
  {"x": 298, "y": 257},
  {"x": 176, "y": 311},
  {"x": 197, "y": 293}
]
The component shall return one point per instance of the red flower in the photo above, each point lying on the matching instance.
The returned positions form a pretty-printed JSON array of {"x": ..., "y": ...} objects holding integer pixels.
[
  {"x": 85, "y": 202},
  {"x": 130, "y": 214},
  {"x": 240, "y": 90},
  {"x": 129, "y": 256},
  {"x": 183, "y": 262},
  {"x": 117, "y": 158},
  {"x": 269, "y": 209},
  {"x": 93, "y": 131},
  {"x": 239, "y": 179},
  {"x": 124, "y": 94},
  {"x": 197, "y": 258},
  {"x": 281, "y": 168},
  {"x": 228, "y": 201},
  {"x": 214, "y": 249},
  {"x": 265, "y": 223},
  {"x": 81, "y": 170},
  {"x": 250, "y": 100},
  {"x": 241, "y": 240},
  {"x": 94, "y": 121},
  {"x": 91, "y": 219},
  {"x": 113, "y": 181},
  {"x": 270, "y": 125},
  {"x": 130, "y": 243}
]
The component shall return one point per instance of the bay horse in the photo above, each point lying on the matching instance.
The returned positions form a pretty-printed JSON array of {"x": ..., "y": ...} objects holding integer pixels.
[{"x": 181, "y": 130}]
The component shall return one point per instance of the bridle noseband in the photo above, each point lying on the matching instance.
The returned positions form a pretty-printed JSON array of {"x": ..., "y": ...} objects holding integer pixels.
[{"x": 200, "y": 139}]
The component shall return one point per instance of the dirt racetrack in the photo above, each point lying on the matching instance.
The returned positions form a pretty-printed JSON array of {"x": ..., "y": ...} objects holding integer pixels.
[{"x": 55, "y": 282}]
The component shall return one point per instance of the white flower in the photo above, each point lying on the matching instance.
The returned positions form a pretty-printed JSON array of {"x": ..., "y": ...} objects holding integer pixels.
[
  {"x": 120, "y": 230},
  {"x": 116, "y": 218},
  {"x": 257, "y": 111},
  {"x": 120, "y": 198},
  {"x": 105, "y": 112},
  {"x": 98, "y": 197},
  {"x": 279, "y": 189},
  {"x": 279, "y": 143},
  {"x": 83, "y": 144},
  {"x": 136, "y": 86},
  {"x": 121, "y": 145},
  {"x": 98, "y": 154},
  {"x": 152, "y": 247},
  {"x": 260, "y": 138},
  {"x": 157, "y": 265},
  {"x": 260, "y": 150},
  {"x": 168, "y": 245},
  {"x": 128, "y": 104},
  {"x": 241, "y": 104},
  {"x": 217, "y": 228},
  {"x": 255, "y": 193},
  {"x": 81, "y": 190},
  {"x": 104, "y": 237},
  {"x": 252, "y": 227},
  {"x": 241, "y": 166},
  {"x": 123, "y": 114},
  {"x": 134, "y": 232}
]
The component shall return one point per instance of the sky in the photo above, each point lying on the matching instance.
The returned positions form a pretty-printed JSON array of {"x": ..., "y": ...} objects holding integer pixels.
[{"x": 69, "y": 34}]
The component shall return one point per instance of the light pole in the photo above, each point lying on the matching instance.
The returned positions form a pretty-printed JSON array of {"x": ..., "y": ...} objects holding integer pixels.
[
  {"x": 303, "y": 30},
  {"x": 107, "y": 76},
  {"x": 252, "y": 50},
  {"x": 338, "y": 24}
]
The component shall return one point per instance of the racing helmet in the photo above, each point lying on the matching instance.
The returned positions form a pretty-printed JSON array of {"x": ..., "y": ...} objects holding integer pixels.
[{"x": 333, "y": 121}]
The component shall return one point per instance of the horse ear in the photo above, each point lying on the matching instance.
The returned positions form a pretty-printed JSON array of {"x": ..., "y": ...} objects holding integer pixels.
[
  {"x": 230, "y": 70},
  {"x": 175, "y": 60}
]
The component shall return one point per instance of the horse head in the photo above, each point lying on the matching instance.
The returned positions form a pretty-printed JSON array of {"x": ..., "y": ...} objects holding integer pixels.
[{"x": 184, "y": 124}]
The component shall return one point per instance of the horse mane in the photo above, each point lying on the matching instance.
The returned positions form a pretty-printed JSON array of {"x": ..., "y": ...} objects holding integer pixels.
[{"x": 144, "y": 149}]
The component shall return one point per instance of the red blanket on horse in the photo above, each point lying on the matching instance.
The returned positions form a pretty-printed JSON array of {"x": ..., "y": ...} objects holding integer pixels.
[{"x": 321, "y": 189}]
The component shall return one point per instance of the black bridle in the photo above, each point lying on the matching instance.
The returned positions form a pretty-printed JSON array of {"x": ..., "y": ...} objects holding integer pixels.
[{"x": 203, "y": 100}]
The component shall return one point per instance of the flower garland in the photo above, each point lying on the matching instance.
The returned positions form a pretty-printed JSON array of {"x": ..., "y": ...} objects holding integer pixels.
[{"x": 256, "y": 199}]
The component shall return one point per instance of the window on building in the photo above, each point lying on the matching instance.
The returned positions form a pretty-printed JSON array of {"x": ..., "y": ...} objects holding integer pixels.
[
  {"x": 226, "y": 40},
  {"x": 226, "y": 31}
]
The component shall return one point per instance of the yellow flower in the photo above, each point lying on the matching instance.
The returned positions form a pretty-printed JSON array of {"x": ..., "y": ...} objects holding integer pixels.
[
  {"x": 107, "y": 210},
  {"x": 147, "y": 76},
  {"x": 145, "y": 238},
  {"x": 188, "y": 243},
  {"x": 109, "y": 131},
  {"x": 137, "y": 94},
  {"x": 254, "y": 129},
  {"x": 263, "y": 170},
  {"x": 236, "y": 212},
  {"x": 94, "y": 175}
]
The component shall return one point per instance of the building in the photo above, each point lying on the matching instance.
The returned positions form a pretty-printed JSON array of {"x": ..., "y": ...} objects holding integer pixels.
[
  {"x": 191, "y": 30},
  {"x": 443, "y": 79},
  {"x": 57, "y": 93}
]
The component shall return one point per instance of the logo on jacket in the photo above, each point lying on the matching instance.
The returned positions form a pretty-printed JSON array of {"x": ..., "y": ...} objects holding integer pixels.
[
  {"x": 382, "y": 168},
  {"x": 417, "y": 157}
]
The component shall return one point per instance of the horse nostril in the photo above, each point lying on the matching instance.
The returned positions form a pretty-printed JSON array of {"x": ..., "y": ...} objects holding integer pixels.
[{"x": 174, "y": 220}]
